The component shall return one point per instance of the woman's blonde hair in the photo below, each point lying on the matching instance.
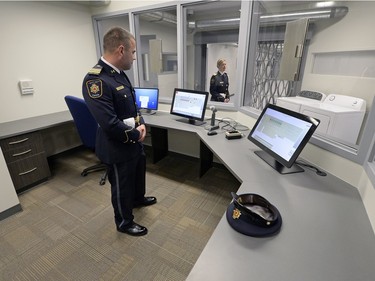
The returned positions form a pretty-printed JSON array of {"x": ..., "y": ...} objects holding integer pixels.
[{"x": 220, "y": 62}]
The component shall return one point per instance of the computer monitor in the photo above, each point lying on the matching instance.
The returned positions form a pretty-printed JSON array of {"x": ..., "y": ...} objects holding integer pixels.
[
  {"x": 282, "y": 134},
  {"x": 190, "y": 104},
  {"x": 147, "y": 99}
]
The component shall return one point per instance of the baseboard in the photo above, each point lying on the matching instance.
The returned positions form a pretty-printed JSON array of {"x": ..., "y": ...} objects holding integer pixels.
[{"x": 11, "y": 211}]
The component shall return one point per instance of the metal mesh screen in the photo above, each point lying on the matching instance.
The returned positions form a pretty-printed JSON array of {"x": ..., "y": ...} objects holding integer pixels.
[{"x": 266, "y": 87}]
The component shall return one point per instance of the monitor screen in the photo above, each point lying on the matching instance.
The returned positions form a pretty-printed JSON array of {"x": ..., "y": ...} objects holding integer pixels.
[
  {"x": 282, "y": 134},
  {"x": 147, "y": 98},
  {"x": 190, "y": 104}
]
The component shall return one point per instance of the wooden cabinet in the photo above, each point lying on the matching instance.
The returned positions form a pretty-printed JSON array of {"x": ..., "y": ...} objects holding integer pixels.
[{"x": 26, "y": 159}]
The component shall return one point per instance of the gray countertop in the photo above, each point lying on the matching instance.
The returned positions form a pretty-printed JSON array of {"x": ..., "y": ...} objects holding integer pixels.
[
  {"x": 326, "y": 233},
  {"x": 17, "y": 127}
]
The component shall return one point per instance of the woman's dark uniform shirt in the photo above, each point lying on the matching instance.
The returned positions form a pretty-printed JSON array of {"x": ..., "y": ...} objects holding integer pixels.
[
  {"x": 110, "y": 98},
  {"x": 219, "y": 84}
]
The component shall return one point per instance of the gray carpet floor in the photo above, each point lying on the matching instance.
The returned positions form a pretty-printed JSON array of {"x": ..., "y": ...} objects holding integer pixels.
[{"x": 66, "y": 229}]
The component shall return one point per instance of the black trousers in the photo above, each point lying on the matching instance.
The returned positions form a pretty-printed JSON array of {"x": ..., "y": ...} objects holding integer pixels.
[{"x": 128, "y": 185}]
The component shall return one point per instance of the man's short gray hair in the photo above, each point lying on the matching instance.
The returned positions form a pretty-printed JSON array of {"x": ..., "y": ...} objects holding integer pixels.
[{"x": 115, "y": 37}]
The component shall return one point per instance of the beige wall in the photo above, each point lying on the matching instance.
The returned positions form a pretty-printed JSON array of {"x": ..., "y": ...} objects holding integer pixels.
[{"x": 50, "y": 43}]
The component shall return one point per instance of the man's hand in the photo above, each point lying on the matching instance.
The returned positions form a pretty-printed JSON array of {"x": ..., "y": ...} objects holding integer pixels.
[{"x": 142, "y": 131}]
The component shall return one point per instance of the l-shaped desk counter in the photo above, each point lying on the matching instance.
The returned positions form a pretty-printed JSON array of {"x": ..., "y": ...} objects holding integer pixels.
[{"x": 326, "y": 233}]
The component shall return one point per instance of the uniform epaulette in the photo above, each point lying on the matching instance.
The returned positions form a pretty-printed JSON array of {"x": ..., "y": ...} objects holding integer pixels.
[{"x": 96, "y": 69}]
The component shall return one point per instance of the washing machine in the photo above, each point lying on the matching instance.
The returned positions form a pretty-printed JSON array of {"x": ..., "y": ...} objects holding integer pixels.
[
  {"x": 340, "y": 116},
  {"x": 304, "y": 97}
]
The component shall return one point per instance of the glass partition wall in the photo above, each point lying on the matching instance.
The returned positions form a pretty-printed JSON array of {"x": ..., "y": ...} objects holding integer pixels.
[
  {"x": 156, "y": 34},
  {"x": 211, "y": 31},
  {"x": 273, "y": 50},
  {"x": 279, "y": 46},
  {"x": 313, "y": 49},
  {"x": 102, "y": 25}
]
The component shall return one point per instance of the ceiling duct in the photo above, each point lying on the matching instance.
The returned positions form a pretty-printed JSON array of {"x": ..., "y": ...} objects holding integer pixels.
[
  {"x": 160, "y": 17},
  {"x": 268, "y": 19},
  {"x": 217, "y": 24},
  {"x": 312, "y": 15}
]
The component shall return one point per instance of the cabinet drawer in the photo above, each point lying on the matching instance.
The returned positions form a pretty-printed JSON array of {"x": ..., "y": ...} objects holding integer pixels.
[
  {"x": 20, "y": 141},
  {"x": 29, "y": 170},
  {"x": 22, "y": 152}
]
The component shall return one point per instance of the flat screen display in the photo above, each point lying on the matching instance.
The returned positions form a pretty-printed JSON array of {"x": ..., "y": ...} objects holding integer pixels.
[
  {"x": 147, "y": 98},
  {"x": 282, "y": 134},
  {"x": 190, "y": 104}
]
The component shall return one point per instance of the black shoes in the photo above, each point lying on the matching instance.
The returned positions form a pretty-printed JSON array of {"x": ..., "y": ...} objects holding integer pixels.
[
  {"x": 147, "y": 201},
  {"x": 133, "y": 229}
]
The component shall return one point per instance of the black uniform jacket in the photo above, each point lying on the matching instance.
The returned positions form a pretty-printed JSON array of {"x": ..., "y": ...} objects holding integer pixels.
[
  {"x": 110, "y": 98},
  {"x": 219, "y": 85}
]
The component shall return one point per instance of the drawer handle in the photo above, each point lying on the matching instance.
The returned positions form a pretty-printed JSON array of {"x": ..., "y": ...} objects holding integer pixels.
[
  {"x": 27, "y": 172},
  {"x": 21, "y": 153},
  {"x": 19, "y": 141}
]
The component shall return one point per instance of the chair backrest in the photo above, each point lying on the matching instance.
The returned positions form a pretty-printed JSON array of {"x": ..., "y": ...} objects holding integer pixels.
[{"x": 83, "y": 119}]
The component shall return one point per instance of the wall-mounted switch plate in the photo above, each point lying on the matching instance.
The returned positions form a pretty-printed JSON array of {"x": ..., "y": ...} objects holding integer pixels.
[{"x": 26, "y": 87}]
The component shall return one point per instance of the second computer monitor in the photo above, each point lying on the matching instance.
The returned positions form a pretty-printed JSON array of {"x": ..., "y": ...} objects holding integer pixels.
[
  {"x": 147, "y": 99},
  {"x": 190, "y": 104}
]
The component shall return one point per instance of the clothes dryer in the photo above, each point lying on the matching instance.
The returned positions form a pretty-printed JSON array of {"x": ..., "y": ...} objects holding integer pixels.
[{"x": 340, "y": 116}]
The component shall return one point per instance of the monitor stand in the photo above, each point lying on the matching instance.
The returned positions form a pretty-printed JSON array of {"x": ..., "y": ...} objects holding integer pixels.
[
  {"x": 277, "y": 165},
  {"x": 191, "y": 121}
]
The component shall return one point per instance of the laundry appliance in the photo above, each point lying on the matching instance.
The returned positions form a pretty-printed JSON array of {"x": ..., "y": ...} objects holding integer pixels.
[
  {"x": 340, "y": 116},
  {"x": 303, "y": 97}
]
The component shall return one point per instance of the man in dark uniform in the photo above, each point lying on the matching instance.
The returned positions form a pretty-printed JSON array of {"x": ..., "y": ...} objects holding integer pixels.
[
  {"x": 110, "y": 98},
  {"x": 219, "y": 83}
]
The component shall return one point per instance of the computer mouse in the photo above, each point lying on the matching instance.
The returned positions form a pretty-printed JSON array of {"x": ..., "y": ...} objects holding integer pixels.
[{"x": 211, "y": 133}]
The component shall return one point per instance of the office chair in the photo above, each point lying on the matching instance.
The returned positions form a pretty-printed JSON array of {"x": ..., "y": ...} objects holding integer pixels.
[{"x": 86, "y": 127}]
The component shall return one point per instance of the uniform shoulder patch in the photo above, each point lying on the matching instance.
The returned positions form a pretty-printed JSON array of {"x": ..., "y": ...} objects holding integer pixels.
[
  {"x": 94, "y": 88},
  {"x": 96, "y": 69}
]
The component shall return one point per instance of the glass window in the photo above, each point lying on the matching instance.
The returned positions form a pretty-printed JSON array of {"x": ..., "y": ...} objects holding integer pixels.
[
  {"x": 103, "y": 25},
  {"x": 263, "y": 84},
  {"x": 211, "y": 33},
  {"x": 156, "y": 33},
  {"x": 292, "y": 52}
]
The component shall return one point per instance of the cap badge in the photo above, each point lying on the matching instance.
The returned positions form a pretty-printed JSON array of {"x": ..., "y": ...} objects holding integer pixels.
[{"x": 236, "y": 213}]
